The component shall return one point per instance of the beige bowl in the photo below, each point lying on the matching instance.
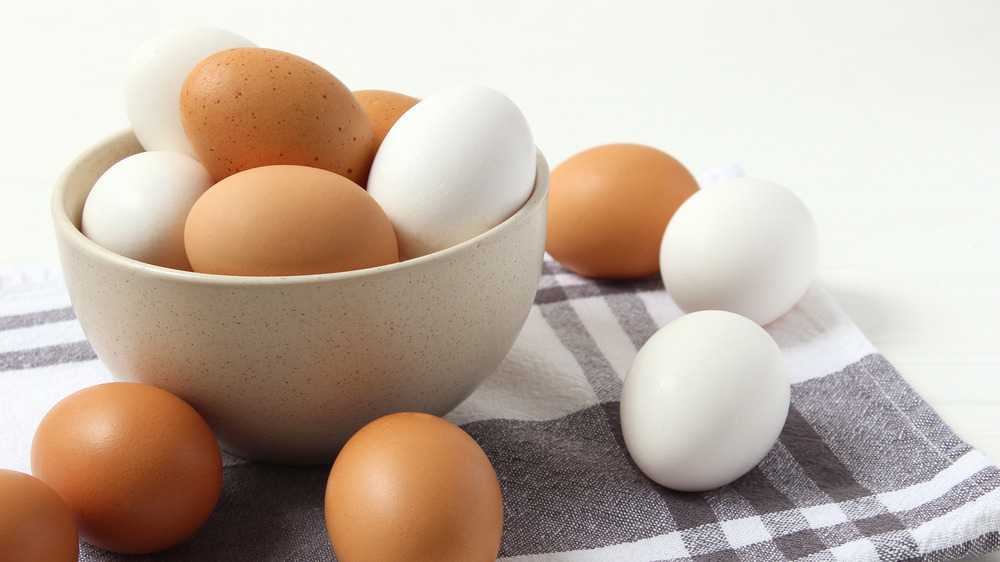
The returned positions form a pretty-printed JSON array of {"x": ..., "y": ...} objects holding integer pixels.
[{"x": 286, "y": 369}]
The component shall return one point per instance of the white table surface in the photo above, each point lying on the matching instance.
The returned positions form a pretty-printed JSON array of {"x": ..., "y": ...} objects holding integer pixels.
[{"x": 883, "y": 116}]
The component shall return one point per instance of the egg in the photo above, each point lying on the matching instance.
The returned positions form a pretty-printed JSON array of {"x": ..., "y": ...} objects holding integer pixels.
[
  {"x": 455, "y": 165},
  {"x": 154, "y": 76},
  {"x": 704, "y": 400},
  {"x": 35, "y": 523},
  {"x": 138, "y": 467},
  {"x": 138, "y": 207},
  {"x": 412, "y": 486},
  {"x": 745, "y": 245},
  {"x": 250, "y": 106},
  {"x": 609, "y": 206},
  {"x": 383, "y": 109},
  {"x": 287, "y": 220}
]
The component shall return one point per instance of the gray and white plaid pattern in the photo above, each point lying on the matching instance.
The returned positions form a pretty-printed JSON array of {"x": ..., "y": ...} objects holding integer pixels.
[{"x": 864, "y": 469}]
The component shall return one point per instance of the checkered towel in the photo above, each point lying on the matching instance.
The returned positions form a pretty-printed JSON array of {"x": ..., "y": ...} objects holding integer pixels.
[{"x": 864, "y": 469}]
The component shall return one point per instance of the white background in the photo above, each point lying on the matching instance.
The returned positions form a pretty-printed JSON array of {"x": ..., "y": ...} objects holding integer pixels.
[{"x": 883, "y": 116}]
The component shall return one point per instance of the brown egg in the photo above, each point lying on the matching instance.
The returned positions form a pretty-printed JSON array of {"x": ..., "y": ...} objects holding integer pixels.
[
  {"x": 383, "y": 108},
  {"x": 250, "y": 106},
  {"x": 414, "y": 487},
  {"x": 138, "y": 467},
  {"x": 287, "y": 220},
  {"x": 609, "y": 207},
  {"x": 35, "y": 523}
]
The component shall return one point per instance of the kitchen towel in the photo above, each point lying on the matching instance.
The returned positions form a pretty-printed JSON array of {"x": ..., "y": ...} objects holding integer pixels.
[{"x": 863, "y": 470}]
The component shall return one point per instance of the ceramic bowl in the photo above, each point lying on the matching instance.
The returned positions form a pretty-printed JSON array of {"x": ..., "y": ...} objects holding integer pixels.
[{"x": 286, "y": 369}]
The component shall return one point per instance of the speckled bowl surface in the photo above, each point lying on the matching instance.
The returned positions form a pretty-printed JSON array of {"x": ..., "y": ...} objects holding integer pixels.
[{"x": 286, "y": 369}]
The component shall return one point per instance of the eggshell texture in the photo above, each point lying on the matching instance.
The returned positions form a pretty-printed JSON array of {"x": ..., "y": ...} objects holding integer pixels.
[
  {"x": 139, "y": 468},
  {"x": 455, "y": 165},
  {"x": 413, "y": 486},
  {"x": 745, "y": 245},
  {"x": 153, "y": 79},
  {"x": 248, "y": 107},
  {"x": 383, "y": 109},
  {"x": 704, "y": 400},
  {"x": 35, "y": 523},
  {"x": 138, "y": 207},
  {"x": 287, "y": 220},
  {"x": 609, "y": 206}
]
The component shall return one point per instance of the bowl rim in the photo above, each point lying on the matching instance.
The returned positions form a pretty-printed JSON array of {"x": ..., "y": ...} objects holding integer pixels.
[{"x": 72, "y": 234}]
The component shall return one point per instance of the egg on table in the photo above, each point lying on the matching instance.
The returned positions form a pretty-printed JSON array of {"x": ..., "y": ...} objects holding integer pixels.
[
  {"x": 745, "y": 245},
  {"x": 35, "y": 523},
  {"x": 609, "y": 206},
  {"x": 704, "y": 400},
  {"x": 412, "y": 486},
  {"x": 138, "y": 467}
]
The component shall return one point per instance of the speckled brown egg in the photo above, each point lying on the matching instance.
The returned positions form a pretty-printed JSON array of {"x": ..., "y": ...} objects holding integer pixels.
[
  {"x": 384, "y": 107},
  {"x": 249, "y": 106},
  {"x": 412, "y": 486},
  {"x": 609, "y": 207},
  {"x": 35, "y": 523},
  {"x": 287, "y": 220}
]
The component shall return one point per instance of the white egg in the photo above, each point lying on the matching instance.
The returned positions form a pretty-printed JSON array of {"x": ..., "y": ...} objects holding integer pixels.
[
  {"x": 137, "y": 208},
  {"x": 745, "y": 245},
  {"x": 455, "y": 165},
  {"x": 704, "y": 400},
  {"x": 154, "y": 76}
]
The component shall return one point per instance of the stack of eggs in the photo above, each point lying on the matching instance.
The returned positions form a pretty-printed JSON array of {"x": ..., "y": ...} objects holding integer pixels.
[{"x": 259, "y": 162}]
